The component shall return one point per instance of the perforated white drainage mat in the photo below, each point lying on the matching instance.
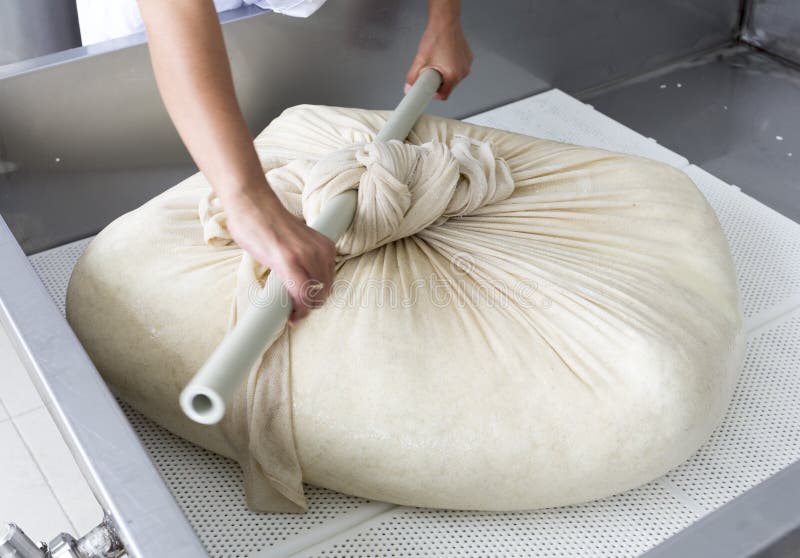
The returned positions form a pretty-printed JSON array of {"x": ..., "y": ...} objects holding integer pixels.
[{"x": 760, "y": 435}]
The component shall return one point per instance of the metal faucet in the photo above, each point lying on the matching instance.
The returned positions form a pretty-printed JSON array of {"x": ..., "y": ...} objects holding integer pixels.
[{"x": 100, "y": 542}]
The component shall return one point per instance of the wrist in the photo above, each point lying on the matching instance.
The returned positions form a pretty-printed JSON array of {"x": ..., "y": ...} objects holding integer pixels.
[
  {"x": 440, "y": 25},
  {"x": 250, "y": 196}
]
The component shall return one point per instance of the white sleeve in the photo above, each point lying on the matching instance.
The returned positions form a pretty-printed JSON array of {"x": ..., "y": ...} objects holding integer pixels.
[
  {"x": 295, "y": 8},
  {"x": 102, "y": 20}
]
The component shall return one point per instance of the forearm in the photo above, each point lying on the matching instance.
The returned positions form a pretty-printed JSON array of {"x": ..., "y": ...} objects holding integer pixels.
[
  {"x": 194, "y": 78},
  {"x": 442, "y": 13}
]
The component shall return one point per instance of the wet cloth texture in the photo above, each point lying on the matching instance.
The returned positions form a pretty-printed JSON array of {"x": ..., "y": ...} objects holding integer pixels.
[{"x": 516, "y": 323}]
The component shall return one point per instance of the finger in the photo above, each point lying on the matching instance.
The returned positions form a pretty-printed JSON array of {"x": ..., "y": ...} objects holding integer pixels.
[
  {"x": 313, "y": 290},
  {"x": 417, "y": 66},
  {"x": 320, "y": 268},
  {"x": 296, "y": 277},
  {"x": 328, "y": 274},
  {"x": 299, "y": 312},
  {"x": 310, "y": 290},
  {"x": 311, "y": 293},
  {"x": 449, "y": 82},
  {"x": 413, "y": 73}
]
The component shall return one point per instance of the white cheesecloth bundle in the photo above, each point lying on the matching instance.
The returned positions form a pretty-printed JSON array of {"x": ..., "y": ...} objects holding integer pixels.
[{"x": 516, "y": 323}]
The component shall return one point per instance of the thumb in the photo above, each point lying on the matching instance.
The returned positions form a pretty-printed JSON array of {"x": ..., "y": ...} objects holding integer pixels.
[{"x": 413, "y": 74}]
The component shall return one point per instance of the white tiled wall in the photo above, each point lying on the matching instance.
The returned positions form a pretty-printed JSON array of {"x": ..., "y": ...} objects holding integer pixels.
[{"x": 41, "y": 488}]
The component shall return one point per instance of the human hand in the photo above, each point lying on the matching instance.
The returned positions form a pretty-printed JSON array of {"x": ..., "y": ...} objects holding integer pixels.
[
  {"x": 303, "y": 258},
  {"x": 444, "y": 47}
]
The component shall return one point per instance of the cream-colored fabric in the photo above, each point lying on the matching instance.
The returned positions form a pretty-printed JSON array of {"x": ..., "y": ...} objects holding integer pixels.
[{"x": 516, "y": 323}]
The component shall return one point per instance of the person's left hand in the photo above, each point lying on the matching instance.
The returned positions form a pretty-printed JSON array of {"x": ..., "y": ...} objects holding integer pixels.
[{"x": 443, "y": 47}]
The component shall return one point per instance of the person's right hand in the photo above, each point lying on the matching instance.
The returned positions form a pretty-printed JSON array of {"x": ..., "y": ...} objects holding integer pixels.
[
  {"x": 303, "y": 258},
  {"x": 194, "y": 78}
]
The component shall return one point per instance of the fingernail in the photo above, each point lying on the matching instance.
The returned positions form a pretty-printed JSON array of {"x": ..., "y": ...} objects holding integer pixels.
[{"x": 406, "y": 88}]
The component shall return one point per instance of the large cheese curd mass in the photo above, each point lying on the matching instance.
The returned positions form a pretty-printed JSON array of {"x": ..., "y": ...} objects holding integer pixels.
[{"x": 516, "y": 323}]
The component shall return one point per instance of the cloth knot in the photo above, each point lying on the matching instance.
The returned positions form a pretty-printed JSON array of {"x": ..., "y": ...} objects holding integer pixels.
[{"x": 402, "y": 188}]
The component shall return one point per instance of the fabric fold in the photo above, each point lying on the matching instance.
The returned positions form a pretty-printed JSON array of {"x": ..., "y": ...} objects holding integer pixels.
[
  {"x": 524, "y": 323},
  {"x": 402, "y": 189}
]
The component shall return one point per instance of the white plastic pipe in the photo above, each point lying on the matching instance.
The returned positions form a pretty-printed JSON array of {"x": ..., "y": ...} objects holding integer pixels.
[{"x": 206, "y": 396}]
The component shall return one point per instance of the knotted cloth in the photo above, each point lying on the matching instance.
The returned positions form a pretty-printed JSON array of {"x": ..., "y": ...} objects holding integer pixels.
[
  {"x": 402, "y": 189},
  {"x": 516, "y": 323}
]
